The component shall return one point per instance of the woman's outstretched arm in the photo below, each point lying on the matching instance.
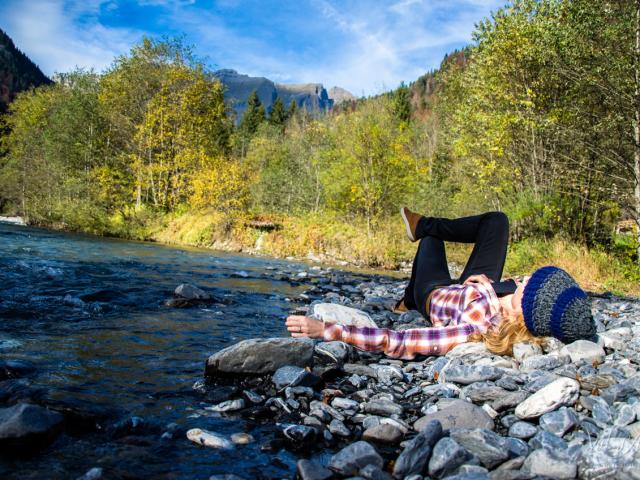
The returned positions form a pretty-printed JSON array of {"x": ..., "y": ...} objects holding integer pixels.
[{"x": 405, "y": 344}]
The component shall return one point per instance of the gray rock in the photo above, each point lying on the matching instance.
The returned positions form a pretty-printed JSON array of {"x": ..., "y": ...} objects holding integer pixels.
[
  {"x": 446, "y": 457},
  {"x": 383, "y": 433},
  {"x": 92, "y": 474},
  {"x": 466, "y": 374},
  {"x": 546, "y": 463},
  {"x": 612, "y": 458},
  {"x": 308, "y": 470},
  {"x": 601, "y": 413},
  {"x": 560, "y": 421},
  {"x": 372, "y": 472},
  {"x": 522, "y": 350},
  {"x": 337, "y": 352},
  {"x": 370, "y": 421},
  {"x": 483, "y": 392},
  {"x": 625, "y": 415},
  {"x": 584, "y": 350},
  {"x": 342, "y": 315},
  {"x": 191, "y": 292},
  {"x": 415, "y": 455},
  {"x": 508, "y": 400},
  {"x": 227, "y": 406},
  {"x": 453, "y": 413},
  {"x": 487, "y": 446},
  {"x": 383, "y": 407},
  {"x": 515, "y": 447},
  {"x": 469, "y": 352},
  {"x": 357, "y": 369},
  {"x": 543, "y": 362},
  {"x": 260, "y": 356},
  {"x": 291, "y": 376},
  {"x": 300, "y": 436},
  {"x": 337, "y": 427},
  {"x": 548, "y": 441},
  {"x": 28, "y": 425},
  {"x": 563, "y": 391},
  {"x": 622, "y": 391},
  {"x": 388, "y": 373},
  {"x": 344, "y": 404},
  {"x": 522, "y": 430},
  {"x": 353, "y": 457}
]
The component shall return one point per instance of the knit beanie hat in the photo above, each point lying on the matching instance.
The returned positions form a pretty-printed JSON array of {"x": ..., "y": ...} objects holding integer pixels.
[{"x": 554, "y": 305}]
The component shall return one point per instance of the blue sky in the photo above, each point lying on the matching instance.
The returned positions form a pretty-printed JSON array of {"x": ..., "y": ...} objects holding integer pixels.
[{"x": 364, "y": 46}]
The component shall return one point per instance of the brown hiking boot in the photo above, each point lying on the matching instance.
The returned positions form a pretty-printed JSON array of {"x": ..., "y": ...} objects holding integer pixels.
[{"x": 410, "y": 222}]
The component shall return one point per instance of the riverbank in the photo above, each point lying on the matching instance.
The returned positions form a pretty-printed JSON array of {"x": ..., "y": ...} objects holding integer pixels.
[{"x": 347, "y": 243}]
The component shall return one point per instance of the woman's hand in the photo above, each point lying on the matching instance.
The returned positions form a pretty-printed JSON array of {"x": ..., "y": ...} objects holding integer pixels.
[
  {"x": 477, "y": 279},
  {"x": 301, "y": 326}
]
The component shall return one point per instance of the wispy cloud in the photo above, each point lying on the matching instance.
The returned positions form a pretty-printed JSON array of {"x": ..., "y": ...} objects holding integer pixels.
[{"x": 364, "y": 46}]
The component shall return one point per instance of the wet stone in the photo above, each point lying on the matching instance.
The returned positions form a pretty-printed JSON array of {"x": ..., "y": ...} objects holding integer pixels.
[
  {"x": 290, "y": 375},
  {"x": 344, "y": 404},
  {"x": 337, "y": 352},
  {"x": 27, "y": 425}
]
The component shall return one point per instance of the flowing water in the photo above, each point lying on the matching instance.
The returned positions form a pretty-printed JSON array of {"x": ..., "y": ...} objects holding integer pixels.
[{"x": 88, "y": 314}]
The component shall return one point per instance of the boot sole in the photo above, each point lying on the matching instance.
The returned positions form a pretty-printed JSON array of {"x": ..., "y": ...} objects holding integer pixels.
[{"x": 406, "y": 224}]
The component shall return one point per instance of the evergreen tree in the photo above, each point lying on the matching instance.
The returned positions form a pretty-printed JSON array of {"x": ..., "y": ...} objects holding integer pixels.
[
  {"x": 253, "y": 116},
  {"x": 291, "y": 111},
  {"x": 278, "y": 115},
  {"x": 402, "y": 103}
]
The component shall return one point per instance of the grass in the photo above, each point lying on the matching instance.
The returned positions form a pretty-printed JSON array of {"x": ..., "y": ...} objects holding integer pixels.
[{"x": 332, "y": 239}]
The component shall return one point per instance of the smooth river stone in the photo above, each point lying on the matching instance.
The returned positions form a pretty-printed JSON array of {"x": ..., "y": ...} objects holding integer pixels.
[
  {"x": 28, "y": 425},
  {"x": 455, "y": 413},
  {"x": 260, "y": 356},
  {"x": 522, "y": 350},
  {"x": 563, "y": 391},
  {"x": 334, "y": 313},
  {"x": 352, "y": 458},
  {"x": 487, "y": 446},
  {"x": 549, "y": 464},
  {"x": 208, "y": 439},
  {"x": 416, "y": 452},
  {"x": 584, "y": 350},
  {"x": 383, "y": 433},
  {"x": 446, "y": 457},
  {"x": 617, "y": 458},
  {"x": 191, "y": 292},
  {"x": 466, "y": 374}
]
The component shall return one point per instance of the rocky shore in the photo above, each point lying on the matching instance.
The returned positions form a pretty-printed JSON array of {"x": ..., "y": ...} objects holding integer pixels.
[{"x": 555, "y": 411}]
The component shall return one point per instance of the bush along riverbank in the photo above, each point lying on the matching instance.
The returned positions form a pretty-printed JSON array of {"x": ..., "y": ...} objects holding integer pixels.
[{"x": 556, "y": 411}]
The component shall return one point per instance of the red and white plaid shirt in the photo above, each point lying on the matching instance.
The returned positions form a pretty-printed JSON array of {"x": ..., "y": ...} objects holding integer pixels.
[{"x": 456, "y": 312}]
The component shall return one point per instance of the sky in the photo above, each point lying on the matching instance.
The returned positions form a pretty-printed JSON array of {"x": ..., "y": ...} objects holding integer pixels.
[{"x": 366, "y": 47}]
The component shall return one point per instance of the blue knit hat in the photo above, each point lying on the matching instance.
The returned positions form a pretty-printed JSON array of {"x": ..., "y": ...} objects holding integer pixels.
[{"x": 554, "y": 305}]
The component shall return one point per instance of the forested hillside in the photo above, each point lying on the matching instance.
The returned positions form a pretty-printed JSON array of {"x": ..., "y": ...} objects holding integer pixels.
[
  {"x": 17, "y": 72},
  {"x": 538, "y": 118}
]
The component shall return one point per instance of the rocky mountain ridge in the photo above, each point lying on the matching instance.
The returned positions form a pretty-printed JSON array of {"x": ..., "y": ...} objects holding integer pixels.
[{"x": 312, "y": 96}]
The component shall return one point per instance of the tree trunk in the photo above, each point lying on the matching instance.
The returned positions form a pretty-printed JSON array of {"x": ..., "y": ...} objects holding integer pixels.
[{"x": 636, "y": 156}]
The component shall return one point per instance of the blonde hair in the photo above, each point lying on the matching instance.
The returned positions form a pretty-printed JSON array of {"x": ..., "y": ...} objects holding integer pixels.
[{"x": 509, "y": 329}]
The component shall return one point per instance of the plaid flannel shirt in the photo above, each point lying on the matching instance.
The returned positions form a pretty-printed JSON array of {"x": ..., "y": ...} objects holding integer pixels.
[{"x": 456, "y": 311}]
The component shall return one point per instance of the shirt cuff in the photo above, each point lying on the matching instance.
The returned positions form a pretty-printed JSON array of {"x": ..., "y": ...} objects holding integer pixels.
[{"x": 332, "y": 332}]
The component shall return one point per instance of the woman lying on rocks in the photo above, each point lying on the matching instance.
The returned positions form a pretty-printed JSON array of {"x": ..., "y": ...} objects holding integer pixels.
[{"x": 475, "y": 307}]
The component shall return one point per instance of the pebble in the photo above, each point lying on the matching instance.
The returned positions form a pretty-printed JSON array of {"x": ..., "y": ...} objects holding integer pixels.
[
  {"x": 466, "y": 374},
  {"x": 524, "y": 350},
  {"x": 228, "y": 406},
  {"x": 415, "y": 455},
  {"x": 486, "y": 445},
  {"x": 522, "y": 430},
  {"x": 336, "y": 427},
  {"x": 383, "y": 407},
  {"x": 584, "y": 351},
  {"x": 559, "y": 421}
]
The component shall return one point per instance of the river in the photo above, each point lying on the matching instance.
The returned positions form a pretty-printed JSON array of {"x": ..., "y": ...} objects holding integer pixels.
[{"x": 88, "y": 314}]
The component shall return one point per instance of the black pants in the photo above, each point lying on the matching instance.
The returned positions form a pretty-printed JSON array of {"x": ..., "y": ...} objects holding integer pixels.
[{"x": 489, "y": 232}]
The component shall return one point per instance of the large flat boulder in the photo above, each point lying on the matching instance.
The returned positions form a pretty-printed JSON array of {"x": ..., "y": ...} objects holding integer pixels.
[
  {"x": 334, "y": 313},
  {"x": 28, "y": 425},
  {"x": 260, "y": 356}
]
